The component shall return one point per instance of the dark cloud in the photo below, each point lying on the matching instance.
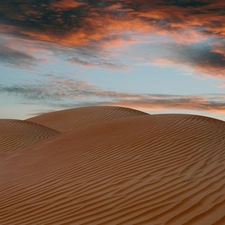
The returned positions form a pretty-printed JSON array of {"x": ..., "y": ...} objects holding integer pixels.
[
  {"x": 29, "y": 92},
  {"x": 203, "y": 58},
  {"x": 55, "y": 20},
  {"x": 188, "y": 3},
  {"x": 51, "y": 91},
  {"x": 199, "y": 54},
  {"x": 85, "y": 29}
]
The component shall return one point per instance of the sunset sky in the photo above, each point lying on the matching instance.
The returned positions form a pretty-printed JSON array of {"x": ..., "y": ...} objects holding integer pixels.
[{"x": 162, "y": 56}]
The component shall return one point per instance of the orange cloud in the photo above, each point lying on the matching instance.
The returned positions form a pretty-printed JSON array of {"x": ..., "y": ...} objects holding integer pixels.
[
  {"x": 82, "y": 22},
  {"x": 66, "y": 4},
  {"x": 101, "y": 25},
  {"x": 154, "y": 105}
]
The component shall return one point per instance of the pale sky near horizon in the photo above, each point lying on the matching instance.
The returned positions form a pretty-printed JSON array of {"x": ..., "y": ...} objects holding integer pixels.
[{"x": 165, "y": 56}]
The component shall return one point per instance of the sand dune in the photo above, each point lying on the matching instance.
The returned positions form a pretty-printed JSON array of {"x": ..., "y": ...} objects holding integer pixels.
[
  {"x": 69, "y": 119},
  {"x": 16, "y": 134},
  {"x": 158, "y": 169}
]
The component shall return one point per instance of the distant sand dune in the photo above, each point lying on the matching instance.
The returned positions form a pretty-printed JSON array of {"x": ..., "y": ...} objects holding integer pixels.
[
  {"x": 158, "y": 169},
  {"x": 69, "y": 119},
  {"x": 17, "y": 134}
]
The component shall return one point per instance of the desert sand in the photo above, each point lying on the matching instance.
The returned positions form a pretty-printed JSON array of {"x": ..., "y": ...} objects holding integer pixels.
[
  {"x": 112, "y": 165},
  {"x": 16, "y": 134},
  {"x": 69, "y": 119}
]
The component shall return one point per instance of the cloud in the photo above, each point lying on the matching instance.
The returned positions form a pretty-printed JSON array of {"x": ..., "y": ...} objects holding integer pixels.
[
  {"x": 29, "y": 92},
  {"x": 90, "y": 28},
  {"x": 189, "y": 103},
  {"x": 97, "y": 63},
  {"x": 206, "y": 60},
  {"x": 71, "y": 93},
  {"x": 78, "y": 23},
  {"x": 66, "y": 4},
  {"x": 203, "y": 58},
  {"x": 11, "y": 57},
  {"x": 55, "y": 90}
]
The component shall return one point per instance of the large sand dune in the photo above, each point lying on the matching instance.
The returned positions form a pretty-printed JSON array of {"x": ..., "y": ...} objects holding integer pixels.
[
  {"x": 69, "y": 119},
  {"x": 158, "y": 169}
]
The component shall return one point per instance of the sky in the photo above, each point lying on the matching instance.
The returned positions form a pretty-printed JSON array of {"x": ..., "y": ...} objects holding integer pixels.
[{"x": 161, "y": 56}]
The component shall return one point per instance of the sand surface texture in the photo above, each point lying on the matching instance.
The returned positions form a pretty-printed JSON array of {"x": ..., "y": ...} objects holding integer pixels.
[
  {"x": 16, "y": 134},
  {"x": 144, "y": 169}
]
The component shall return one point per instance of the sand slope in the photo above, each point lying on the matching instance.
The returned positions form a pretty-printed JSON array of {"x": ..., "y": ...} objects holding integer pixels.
[
  {"x": 16, "y": 134},
  {"x": 158, "y": 169},
  {"x": 69, "y": 119}
]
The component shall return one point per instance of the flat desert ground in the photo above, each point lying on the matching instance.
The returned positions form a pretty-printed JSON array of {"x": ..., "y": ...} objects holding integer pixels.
[{"x": 112, "y": 165}]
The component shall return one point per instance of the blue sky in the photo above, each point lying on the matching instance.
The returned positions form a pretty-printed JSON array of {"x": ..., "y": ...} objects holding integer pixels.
[{"x": 159, "y": 57}]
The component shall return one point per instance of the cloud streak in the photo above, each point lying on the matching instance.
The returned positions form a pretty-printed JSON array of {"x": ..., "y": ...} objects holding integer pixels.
[
  {"x": 11, "y": 57},
  {"x": 189, "y": 103},
  {"x": 97, "y": 63}
]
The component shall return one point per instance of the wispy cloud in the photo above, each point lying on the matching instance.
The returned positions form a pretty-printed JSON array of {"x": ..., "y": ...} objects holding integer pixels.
[
  {"x": 29, "y": 92},
  {"x": 97, "y": 63},
  {"x": 12, "y": 57},
  {"x": 181, "y": 103},
  {"x": 70, "y": 93}
]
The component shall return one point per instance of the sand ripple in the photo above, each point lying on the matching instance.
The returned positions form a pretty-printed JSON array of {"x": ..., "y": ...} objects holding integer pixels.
[
  {"x": 17, "y": 134},
  {"x": 158, "y": 169}
]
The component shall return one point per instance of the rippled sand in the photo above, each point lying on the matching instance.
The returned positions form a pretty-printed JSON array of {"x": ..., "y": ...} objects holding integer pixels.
[{"x": 112, "y": 165}]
